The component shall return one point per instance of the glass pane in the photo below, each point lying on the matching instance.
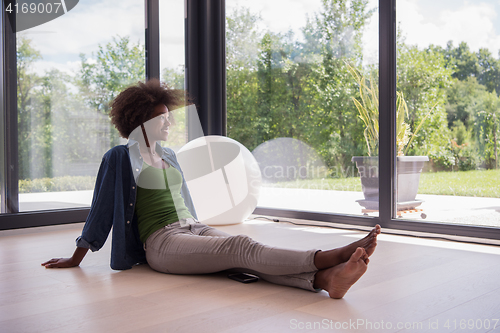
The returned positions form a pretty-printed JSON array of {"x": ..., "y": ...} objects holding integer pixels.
[
  {"x": 68, "y": 70},
  {"x": 172, "y": 63},
  {"x": 300, "y": 87},
  {"x": 448, "y": 74}
]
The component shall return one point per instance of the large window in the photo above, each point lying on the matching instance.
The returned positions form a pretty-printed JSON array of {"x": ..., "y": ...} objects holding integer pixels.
[
  {"x": 449, "y": 75},
  {"x": 68, "y": 70},
  {"x": 302, "y": 95}
]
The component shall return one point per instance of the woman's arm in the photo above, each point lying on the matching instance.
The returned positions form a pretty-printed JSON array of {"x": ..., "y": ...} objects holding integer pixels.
[
  {"x": 90, "y": 224},
  {"x": 74, "y": 261}
]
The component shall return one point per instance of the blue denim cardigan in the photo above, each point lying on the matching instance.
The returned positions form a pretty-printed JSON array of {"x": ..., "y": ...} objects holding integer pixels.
[{"x": 113, "y": 204}]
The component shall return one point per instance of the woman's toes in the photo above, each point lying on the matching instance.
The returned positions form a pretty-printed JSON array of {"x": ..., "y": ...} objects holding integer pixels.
[{"x": 357, "y": 254}]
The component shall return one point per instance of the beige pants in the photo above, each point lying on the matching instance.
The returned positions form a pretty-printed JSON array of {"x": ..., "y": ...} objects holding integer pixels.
[{"x": 199, "y": 249}]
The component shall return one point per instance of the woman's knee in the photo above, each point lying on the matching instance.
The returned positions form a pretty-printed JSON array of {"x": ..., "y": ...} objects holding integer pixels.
[{"x": 245, "y": 242}]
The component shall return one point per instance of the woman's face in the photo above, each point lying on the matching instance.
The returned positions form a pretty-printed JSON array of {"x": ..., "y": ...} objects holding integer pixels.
[{"x": 157, "y": 128}]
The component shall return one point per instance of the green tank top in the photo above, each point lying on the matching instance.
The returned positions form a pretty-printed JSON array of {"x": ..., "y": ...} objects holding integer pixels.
[{"x": 159, "y": 201}]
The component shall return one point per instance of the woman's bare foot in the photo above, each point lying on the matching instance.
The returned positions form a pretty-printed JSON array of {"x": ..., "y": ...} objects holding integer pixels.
[
  {"x": 337, "y": 280},
  {"x": 330, "y": 258}
]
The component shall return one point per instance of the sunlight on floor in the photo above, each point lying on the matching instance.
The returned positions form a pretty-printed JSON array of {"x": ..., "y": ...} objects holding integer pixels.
[{"x": 440, "y": 243}]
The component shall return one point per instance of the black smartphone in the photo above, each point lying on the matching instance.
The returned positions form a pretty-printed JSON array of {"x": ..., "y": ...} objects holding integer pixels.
[{"x": 243, "y": 277}]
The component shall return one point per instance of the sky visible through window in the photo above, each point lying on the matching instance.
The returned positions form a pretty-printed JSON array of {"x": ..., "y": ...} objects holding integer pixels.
[{"x": 422, "y": 21}]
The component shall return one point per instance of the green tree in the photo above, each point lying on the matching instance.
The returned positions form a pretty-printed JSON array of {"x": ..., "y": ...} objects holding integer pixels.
[
  {"x": 487, "y": 129},
  {"x": 77, "y": 132},
  {"x": 489, "y": 74},
  {"x": 27, "y": 82},
  {"x": 242, "y": 39},
  {"x": 423, "y": 79},
  {"x": 280, "y": 87},
  {"x": 242, "y": 49},
  {"x": 463, "y": 99},
  {"x": 464, "y": 62},
  {"x": 463, "y": 147},
  {"x": 471, "y": 101},
  {"x": 59, "y": 129},
  {"x": 173, "y": 77},
  {"x": 113, "y": 67},
  {"x": 339, "y": 28},
  {"x": 334, "y": 37}
]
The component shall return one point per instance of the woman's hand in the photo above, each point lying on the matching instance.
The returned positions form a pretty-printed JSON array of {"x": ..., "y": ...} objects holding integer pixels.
[
  {"x": 60, "y": 263},
  {"x": 74, "y": 261}
]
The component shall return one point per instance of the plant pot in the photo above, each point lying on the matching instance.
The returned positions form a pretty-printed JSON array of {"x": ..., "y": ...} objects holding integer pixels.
[{"x": 408, "y": 169}]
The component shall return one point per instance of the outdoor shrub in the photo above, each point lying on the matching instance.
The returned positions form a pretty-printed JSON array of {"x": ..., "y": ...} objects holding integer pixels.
[
  {"x": 467, "y": 159},
  {"x": 56, "y": 184},
  {"x": 442, "y": 159}
]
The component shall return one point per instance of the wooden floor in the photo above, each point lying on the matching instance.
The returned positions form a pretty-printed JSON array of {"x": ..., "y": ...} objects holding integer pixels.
[{"x": 423, "y": 285}]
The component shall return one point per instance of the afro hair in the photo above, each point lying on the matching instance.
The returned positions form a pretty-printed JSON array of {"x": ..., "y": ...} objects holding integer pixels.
[{"x": 135, "y": 105}]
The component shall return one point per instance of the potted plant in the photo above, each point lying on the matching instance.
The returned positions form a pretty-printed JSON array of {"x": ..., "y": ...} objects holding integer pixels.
[{"x": 408, "y": 168}]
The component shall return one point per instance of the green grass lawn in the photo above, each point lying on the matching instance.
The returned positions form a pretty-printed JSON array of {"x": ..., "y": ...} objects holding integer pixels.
[{"x": 477, "y": 183}]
